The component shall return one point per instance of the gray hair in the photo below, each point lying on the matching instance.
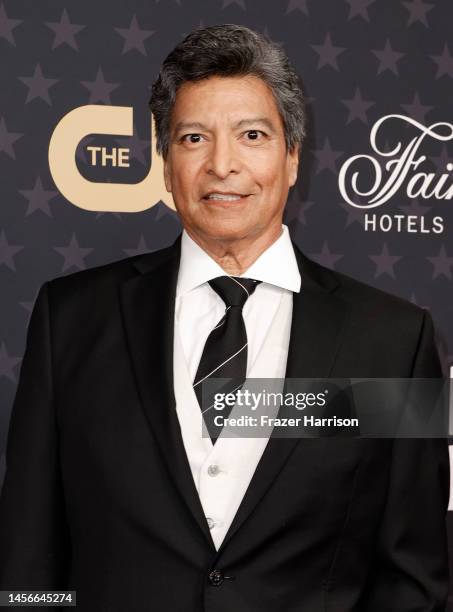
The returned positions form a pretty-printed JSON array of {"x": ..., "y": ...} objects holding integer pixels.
[{"x": 228, "y": 50}]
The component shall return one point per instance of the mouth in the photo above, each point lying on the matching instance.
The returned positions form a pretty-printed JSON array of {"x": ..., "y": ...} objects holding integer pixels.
[{"x": 226, "y": 198}]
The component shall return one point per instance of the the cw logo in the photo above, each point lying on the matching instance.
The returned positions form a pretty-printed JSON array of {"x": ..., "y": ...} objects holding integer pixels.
[{"x": 105, "y": 197}]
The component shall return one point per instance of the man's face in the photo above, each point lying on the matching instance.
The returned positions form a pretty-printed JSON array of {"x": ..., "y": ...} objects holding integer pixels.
[{"x": 227, "y": 137}]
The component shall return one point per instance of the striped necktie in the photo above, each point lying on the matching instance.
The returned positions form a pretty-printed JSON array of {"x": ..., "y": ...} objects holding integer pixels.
[{"x": 225, "y": 351}]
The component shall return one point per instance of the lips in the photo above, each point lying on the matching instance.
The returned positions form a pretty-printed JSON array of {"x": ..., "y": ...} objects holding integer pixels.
[{"x": 222, "y": 196}]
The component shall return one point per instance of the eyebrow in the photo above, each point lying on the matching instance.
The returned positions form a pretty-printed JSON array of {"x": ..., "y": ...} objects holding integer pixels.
[{"x": 185, "y": 125}]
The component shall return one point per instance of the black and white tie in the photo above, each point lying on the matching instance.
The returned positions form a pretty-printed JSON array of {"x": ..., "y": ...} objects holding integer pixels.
[{"x": 225, "y": 351}]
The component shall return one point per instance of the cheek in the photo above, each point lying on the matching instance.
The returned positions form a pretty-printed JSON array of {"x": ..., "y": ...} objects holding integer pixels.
[
  {"x": 182, "y": 181},
  {"x": 268, "y": 178},
  {"x": 267, "y": 169}
]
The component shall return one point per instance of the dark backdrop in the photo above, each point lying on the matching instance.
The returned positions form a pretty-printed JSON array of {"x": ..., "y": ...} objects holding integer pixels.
[{"x": 361, "y": 61}]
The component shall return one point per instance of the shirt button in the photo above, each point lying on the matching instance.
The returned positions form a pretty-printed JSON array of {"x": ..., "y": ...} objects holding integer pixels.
[
  {"x": 215, "y": 578},
  {"x": 211, "y": 522},
  {"x": 213, "y": 470}
]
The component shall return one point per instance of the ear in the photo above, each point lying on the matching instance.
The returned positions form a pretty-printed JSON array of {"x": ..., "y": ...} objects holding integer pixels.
[
  {"x": 167, "y": 175},
  {"x": 293, "y": 164}
]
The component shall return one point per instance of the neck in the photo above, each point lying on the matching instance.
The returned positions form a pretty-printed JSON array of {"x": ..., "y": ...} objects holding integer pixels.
[{"x": 236, "y": 256}]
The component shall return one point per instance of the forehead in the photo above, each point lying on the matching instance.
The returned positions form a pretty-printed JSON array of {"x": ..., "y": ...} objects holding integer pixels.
[{"x": 231, "y": 98}]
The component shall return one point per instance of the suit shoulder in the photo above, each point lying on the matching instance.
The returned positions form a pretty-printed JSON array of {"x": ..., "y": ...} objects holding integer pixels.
[
  {"x": 98, "y": 279},
  {"x": 377, "y": 304},
  {"x": 367, "y": 292},
  {"x": 361, "y": 297},
  {"x": 400, "y": 332},
  {"x": 366, "y": 301}
]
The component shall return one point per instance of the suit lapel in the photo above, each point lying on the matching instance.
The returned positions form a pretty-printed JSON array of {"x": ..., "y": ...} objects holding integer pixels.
[
  {"x": 317, "y": 325},
  {"x": 148, "y": 306},
  {"x": 318, "y": 320}
]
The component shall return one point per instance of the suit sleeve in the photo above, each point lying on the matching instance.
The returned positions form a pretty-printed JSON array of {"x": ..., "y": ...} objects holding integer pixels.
[
  {"x": 34, "y": 539},
  {"x": 410, "y": 573}
]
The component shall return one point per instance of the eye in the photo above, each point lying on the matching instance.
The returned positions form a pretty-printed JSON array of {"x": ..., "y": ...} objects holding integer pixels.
[
  {"x": 191, "y": 138},
  {"x": 255, "y": 134}
]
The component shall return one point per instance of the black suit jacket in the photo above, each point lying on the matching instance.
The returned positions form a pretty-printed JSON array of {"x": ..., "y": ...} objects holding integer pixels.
[{"x": 99, "y": 497}]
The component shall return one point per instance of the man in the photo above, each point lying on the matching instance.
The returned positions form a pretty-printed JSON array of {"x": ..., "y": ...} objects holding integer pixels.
[{"x": 111, "y": 489}]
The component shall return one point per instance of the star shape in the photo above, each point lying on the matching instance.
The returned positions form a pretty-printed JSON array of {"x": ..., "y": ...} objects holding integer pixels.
[
  {"x": 418, "y": 9},
  {"x": 295, "y": 211},
  {"x": 7, "y": 363},
  {"x": 444, "y": 63},
  {"x": 135, "y": 145},
  {"x": 328, "y": 53},
  {"x": 326, "y": 158},
  {"x": 238, "y": 2},
  {"x": 416, "y": 109},
  {"x": 38, "y": 86},
  {"x": 442, "y": 264},
  {"x": 7, "y": 26},
  {"x": 7, "y": 252},
  {"x": 140, "y": 249},
  {"x": 415, "y": 207},
  {"x": 115, "y": 214},
  {"x": 357, "y": 107},
  {"x": 134, "y": 37},
  {"x": 326, "y": 257},
  {"x": 384, "y": 262},
  {"x": 299, "y": 5},
  {"x": 162, "y": 210},
  {"x": 65, "y": 31},
  {"x": 7, "y": 139},
  {"x": 100, "y": 89},
  {"x": 38, "y": 198},
  {"x": 354, "y": 215},
  {"x": 388, "y": 58},
  {"x": 359, "y": 7},
  {"x": 73, "y": 254}
]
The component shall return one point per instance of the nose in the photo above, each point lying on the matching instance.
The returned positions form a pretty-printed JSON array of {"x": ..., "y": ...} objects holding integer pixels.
[{"x": 223, "y": 157}]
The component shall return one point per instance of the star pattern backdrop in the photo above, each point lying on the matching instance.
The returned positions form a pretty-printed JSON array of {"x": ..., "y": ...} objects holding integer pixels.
[{"x": 359, "y": 60}]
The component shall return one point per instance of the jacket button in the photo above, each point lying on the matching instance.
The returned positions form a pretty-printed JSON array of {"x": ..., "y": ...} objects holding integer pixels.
[{"x": 216, "y": 578}]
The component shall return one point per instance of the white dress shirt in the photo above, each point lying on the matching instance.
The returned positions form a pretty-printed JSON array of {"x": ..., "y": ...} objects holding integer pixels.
[{"x": 223, "y": 471}]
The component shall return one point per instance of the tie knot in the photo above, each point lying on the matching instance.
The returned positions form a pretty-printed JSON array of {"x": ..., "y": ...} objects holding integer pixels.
[{"x": 234, "y": 290}]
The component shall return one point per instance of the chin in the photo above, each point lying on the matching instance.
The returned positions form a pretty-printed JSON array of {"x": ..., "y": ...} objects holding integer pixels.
[{"x": 226, "y": 231}]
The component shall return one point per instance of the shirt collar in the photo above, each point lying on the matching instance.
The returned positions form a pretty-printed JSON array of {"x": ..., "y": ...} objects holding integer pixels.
[{"x": 277, "y": 265}]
